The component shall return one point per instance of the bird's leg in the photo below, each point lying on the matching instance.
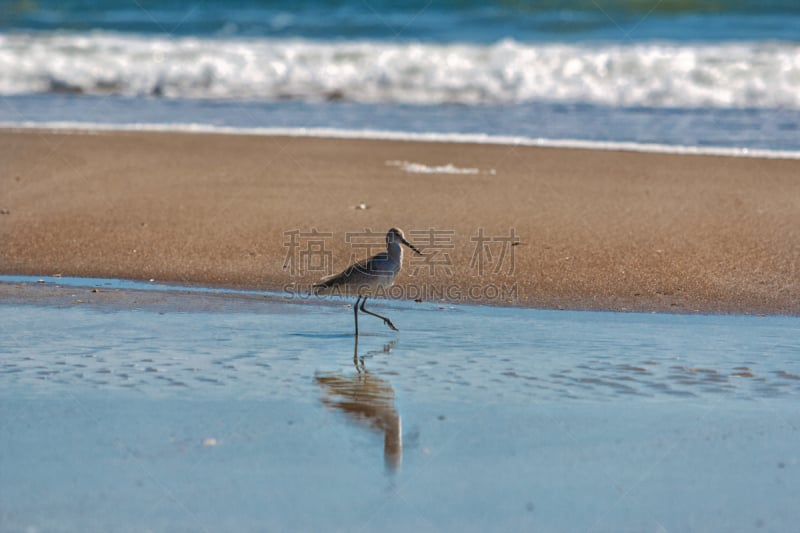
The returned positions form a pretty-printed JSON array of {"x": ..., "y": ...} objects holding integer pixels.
[
  {"x": 355, "y": 356},
  {"x": 385, "y": 320},
  {"x": 355, "y": 314}
]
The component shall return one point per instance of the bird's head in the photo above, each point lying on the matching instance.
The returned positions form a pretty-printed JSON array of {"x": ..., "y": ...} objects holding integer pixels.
[{"x": 396, "y": 235}]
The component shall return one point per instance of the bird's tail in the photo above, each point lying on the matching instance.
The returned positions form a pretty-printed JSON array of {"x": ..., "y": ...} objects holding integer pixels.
[{"x": 323, "y": 287}]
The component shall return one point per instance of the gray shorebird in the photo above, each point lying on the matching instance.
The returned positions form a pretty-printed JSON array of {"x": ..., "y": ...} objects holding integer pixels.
[{"x": 366, "y": 278}]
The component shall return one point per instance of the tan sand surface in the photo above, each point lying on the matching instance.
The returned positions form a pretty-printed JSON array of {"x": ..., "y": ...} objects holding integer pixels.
[{"x": 590, "y": 229}]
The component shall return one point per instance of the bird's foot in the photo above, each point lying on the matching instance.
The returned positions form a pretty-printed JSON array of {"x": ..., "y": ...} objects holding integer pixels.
[{"x": 390, "y": 324}]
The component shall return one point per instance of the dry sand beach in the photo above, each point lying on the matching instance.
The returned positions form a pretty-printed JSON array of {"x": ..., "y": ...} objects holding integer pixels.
[{"x": 593, "y": 229}]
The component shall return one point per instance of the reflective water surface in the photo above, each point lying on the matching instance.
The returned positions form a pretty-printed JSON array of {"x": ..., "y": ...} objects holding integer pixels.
[{"x": 127, "y": 410}]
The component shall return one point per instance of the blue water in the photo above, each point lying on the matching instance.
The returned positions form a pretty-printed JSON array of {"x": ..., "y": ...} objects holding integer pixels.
[
  {"x": 145, "y": 407},
  {"x": 470, "y": 21},
  {"x": 766, "y": 129},
  {"x": 691, "y": 73}
]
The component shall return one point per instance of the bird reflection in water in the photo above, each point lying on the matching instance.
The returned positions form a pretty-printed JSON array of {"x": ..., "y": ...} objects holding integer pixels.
[{"x": 368, "y": 400}]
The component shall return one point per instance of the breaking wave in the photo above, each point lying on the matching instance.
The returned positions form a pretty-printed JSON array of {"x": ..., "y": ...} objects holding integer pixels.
[{"x": 652, "y": 74}]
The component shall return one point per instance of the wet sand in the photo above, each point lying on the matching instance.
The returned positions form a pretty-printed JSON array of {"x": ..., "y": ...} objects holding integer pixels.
[{"x": 592, "y": 229}]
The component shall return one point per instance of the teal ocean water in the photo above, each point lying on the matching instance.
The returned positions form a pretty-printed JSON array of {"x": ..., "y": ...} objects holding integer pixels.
[{"x": 449, "y": 20}]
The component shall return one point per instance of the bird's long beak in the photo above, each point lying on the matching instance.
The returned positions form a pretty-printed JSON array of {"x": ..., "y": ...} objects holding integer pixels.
[{"x": 411, "y": 246}]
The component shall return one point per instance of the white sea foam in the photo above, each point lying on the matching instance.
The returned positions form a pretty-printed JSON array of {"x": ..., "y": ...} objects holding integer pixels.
[
  {"x": 734, "y": 74},
  {"x": 466, "y": 138},
  {"x": 422, "y": 168}
]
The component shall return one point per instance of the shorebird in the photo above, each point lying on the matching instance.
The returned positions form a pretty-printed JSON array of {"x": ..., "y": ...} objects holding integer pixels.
[{"x": 366, "y": 278}]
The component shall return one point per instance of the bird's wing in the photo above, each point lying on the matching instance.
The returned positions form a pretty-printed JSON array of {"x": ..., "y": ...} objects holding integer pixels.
[
  {"x": 371, "y": 266},
  {"x": 375, "y": 265}
]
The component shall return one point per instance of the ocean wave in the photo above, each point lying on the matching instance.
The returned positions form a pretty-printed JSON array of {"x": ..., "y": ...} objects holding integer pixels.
[{"x": 720, "y": 75}]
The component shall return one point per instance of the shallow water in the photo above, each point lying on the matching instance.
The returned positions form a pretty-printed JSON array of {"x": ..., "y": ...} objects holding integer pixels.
[
  {"x": 210, "y": 410},
  {"x": 746, "y": 129}
]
